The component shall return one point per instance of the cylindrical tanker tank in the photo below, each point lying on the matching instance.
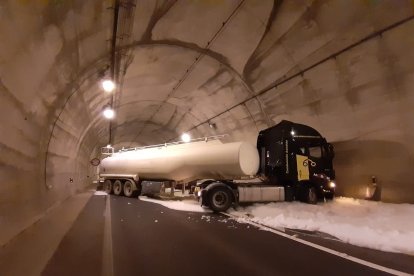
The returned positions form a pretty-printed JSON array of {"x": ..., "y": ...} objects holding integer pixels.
[{"x": 185, "y": 162}]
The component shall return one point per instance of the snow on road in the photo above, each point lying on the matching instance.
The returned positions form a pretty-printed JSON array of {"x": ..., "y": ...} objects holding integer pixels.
[
  {"x": 181, "y": 205},
  {"x": 377, "y": 225},
  {"x": 100, "y": 193}
]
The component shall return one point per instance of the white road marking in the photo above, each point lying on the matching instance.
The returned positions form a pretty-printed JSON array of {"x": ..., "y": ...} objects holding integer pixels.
[
  {"x": 325, "y": 249},
  {"x": 107, "y": 254}
]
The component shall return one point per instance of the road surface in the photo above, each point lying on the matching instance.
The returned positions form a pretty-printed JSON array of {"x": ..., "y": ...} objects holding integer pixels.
[{"x": 143, "y": 238}]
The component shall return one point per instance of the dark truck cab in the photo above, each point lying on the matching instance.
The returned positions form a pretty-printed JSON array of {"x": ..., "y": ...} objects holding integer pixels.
[
  {"x": 297, "y": 157},
  {"x": 295, "y": 163}
]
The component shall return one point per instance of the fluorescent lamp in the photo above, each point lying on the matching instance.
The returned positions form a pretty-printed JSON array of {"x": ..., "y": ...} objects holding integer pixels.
[
  {"x": 108, "y": 85},
  {"x": 109, "y": 113},
  {"x": 185, "y": 137}
]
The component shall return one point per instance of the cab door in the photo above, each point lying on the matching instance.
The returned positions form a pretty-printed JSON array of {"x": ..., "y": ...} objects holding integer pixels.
[{"x": 315, "y": 154}]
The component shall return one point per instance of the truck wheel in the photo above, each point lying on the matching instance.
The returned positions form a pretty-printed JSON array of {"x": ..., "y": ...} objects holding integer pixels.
[
  {"x": 220, "y": 199},
  {"x": 118, "y": 187},
  {"x": 330, "y": 196},
  {"x": 311, "y": 196},
  {"x": 108, "y": 186},
  {"x": 130, "y": 189}
]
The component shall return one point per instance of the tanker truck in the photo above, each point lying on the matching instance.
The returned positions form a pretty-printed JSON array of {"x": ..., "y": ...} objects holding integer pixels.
[{"x": 291, "y": 161}]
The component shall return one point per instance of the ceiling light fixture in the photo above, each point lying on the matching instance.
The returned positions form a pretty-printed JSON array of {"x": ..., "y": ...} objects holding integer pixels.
[
  {"x": 108, "y": 85},
  {"x": 185, "y": 137},
  {"x": 108, "y": 112}
]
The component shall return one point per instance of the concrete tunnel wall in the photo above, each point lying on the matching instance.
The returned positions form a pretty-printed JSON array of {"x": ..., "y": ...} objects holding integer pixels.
[
  {"x": 343, "y": 67},
  {"x": 45, "y": 58}
]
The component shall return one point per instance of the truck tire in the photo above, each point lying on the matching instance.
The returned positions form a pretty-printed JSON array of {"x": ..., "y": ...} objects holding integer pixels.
[
  {"x": 108, "y": 187},
  {"x": 117, "y": 187},
  {"x": 130, "y": 189},
  {"x": 329, "y": 196},
  {"x": 311, "y": 196},
  {"x": 220, "y": 199}
]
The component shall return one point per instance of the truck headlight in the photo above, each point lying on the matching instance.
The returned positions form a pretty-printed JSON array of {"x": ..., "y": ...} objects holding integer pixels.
[
  {"x": 199, "y": 193},
  {"x": 332, "y": 184}
]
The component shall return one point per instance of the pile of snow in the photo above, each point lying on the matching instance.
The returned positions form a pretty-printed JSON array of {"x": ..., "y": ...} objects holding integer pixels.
[
  {"x": 183, "y": 205},
  {"x": 377, "y": 225}
]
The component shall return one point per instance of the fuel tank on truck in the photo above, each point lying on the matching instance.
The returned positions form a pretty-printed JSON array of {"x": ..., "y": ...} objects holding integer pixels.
[{"x": 197, "y": 160}]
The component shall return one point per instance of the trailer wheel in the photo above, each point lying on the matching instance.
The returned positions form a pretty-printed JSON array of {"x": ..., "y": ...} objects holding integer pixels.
[
  {"x": 130, "y": 189},
  {"x": 108, "y": 186},
  {"x": 220, "y": 199},
  {"x": 118, "y": 187},
  {"x": 311, "y": 196}
]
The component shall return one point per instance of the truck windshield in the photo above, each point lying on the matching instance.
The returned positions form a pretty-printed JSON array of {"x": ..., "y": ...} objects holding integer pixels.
[
  {"x": 315, "y": 152},
  {"x": 314, "y": 149}
]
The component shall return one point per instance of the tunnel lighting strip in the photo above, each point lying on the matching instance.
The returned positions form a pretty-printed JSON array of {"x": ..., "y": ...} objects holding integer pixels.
[
  {"x": 321, "y": 248},
  {"x": 113, "y": 58},
  {"x": 284, "y": 80}
]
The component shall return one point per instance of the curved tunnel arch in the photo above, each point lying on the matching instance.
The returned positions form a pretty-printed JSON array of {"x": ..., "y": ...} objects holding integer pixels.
[
  {"x": 202, "y": 52},
  {"x": 91, "y": 71},
  {"x": 187, "y": 46},
  {"x": 214, "y": 56}
]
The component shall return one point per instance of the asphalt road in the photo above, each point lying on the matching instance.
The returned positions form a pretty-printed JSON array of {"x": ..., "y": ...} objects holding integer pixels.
[{"x": 149, "y": 239}]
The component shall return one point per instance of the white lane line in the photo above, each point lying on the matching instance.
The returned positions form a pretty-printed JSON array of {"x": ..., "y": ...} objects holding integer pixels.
[
  {"x": 322, "y": 248},
  {"x": 107, "y": 254}
]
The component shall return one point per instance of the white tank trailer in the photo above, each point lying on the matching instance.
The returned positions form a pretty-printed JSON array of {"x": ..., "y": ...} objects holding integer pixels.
[
  {"x": 291, "y": 162},
  {"x": 184, "y": 162}
]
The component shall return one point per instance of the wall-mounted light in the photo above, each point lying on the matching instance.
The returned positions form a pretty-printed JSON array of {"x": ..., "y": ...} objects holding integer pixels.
[
  {"x": 185, "y": 137},
  {"x": 108, "y": 85},
  {"x": 212, "y": 125},
  {"x": 108, "y": 112}
]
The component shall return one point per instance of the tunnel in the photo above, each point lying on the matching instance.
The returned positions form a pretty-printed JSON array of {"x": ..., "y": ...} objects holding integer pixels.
[{"x": 204, "y": 67}]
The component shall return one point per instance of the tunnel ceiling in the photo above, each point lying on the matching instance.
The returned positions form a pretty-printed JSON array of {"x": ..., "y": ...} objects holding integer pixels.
[
  {"x": 190, "y": 63},
  {"x": 187, "y": 66},
  {"x": 238, "y": 66}
]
